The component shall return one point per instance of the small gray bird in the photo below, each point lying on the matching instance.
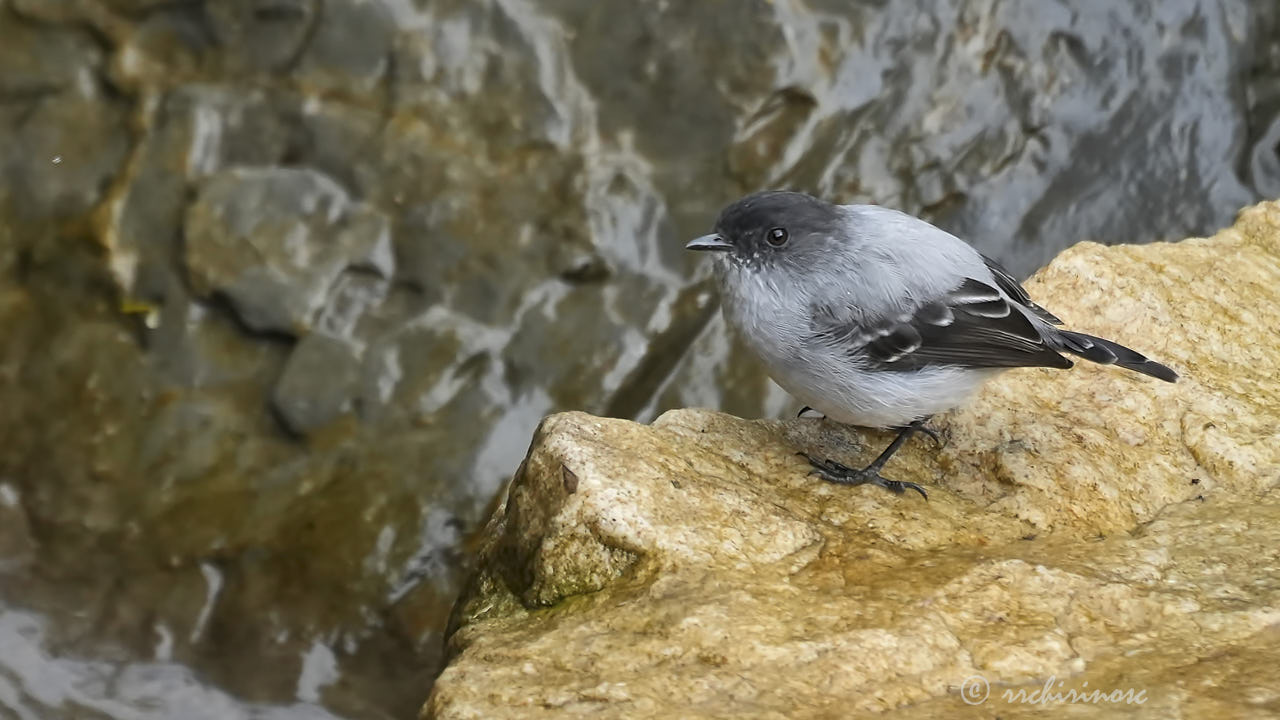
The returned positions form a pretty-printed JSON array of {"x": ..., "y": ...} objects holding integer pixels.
[{"x": 879, "y": 319}]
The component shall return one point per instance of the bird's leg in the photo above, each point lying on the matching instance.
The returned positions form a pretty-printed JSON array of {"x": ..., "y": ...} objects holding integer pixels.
[
  {"x": 832, "y": 471},
  {"x": 920, "y": 427}
]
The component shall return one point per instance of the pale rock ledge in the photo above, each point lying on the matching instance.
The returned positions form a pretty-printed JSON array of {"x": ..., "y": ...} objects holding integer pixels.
[{"x": 1094, "y": 526}]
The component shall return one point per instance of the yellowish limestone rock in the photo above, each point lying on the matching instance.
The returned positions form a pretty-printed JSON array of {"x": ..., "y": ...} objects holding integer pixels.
[{"x": 1088, "y": 530}]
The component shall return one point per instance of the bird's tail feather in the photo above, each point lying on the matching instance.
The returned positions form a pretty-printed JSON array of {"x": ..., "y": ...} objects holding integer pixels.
[{"x": 1109, "y": 353}]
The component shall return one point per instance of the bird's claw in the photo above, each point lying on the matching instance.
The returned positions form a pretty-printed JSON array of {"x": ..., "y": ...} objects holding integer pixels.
[
  {"x": 925, "y": 430},
  {"x": 933, "y": 434},
  {"x": 834, "y": 472}
]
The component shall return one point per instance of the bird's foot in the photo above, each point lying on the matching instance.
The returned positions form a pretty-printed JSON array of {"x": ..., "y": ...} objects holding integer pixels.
[
  {"x": 834, "y": 472},
  {"x": 923, "y": 429},
  {"x": 807, "y": 409}
]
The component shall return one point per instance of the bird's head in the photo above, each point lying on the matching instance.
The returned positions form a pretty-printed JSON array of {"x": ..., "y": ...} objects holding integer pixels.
[{"x": 774, "y": 231}]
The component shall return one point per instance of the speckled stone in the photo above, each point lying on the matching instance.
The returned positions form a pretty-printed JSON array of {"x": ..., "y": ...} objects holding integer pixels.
[{"x": 1093, "y": 527}]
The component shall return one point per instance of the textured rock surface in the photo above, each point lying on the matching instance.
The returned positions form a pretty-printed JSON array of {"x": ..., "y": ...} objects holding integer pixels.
[
  {"x": 275, "y": 241},
  {"x": 1093, "y": 526}
]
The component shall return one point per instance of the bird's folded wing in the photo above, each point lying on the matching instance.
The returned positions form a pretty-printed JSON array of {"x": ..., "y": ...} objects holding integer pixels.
[
  {"x": 1014, "y": 289},
  {"x": 971, "y": 326}
]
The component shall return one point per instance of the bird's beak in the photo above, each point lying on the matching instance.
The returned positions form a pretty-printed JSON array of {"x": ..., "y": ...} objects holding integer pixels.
[{"x": 709, "y": 242}]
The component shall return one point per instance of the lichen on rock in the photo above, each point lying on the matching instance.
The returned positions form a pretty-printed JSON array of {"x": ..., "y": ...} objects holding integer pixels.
[{"x": 1090, "y": 527}]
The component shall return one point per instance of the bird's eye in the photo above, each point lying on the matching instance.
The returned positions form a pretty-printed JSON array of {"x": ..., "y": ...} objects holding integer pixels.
[{"x": 777, "y": 237}]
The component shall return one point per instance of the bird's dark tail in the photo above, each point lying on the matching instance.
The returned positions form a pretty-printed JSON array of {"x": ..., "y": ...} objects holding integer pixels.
[{"x": 1109, "y": 353}]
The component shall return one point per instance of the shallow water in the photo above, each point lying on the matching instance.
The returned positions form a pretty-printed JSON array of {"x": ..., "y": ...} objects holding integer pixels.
[{"x": 289, "y": 284}]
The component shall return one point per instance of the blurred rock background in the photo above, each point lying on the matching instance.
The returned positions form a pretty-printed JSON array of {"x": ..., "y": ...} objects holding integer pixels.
[{"x": 285, "y": 285}]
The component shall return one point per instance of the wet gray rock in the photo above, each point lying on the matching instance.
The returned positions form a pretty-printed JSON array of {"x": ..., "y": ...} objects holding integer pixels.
[
  {"x": 411, "y": 373},
  {"x": 1015, "y": 126},
  {"x": 319, "y": 382},
  {"x": 195, "y": 130},
  {"x": 350, "y": 51},
  {"x": 274, "y": 241},
  {"x": 266, "y": 34},
  {"x": 17, "y": 545},
  {"x": 1264, "y": 161},
  {"x": 65, "y": 135}
]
